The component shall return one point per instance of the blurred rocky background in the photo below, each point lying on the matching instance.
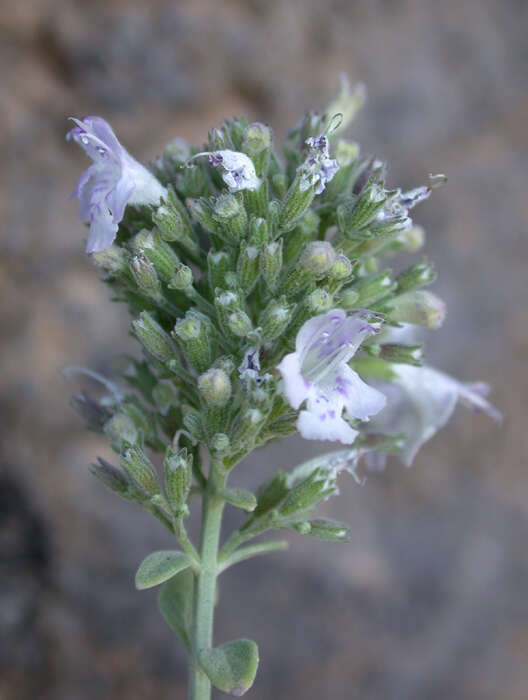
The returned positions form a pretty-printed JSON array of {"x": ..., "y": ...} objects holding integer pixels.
[{"x": 429, "y": 601}]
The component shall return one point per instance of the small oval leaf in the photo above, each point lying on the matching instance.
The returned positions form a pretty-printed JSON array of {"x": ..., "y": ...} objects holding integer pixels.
[
  {"x": 175, "y": 602},
  {"x": 240, "y": 498},
  {"x": 232, "y": 666},
  {"x": 159, "y": 567}
]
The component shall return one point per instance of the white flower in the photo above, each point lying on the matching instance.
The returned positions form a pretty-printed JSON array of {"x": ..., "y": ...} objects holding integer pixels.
[
  {"x": 238, "y": 169},
  {"x": 420, "y": 401},
  {"x": 318, "y": 373},
  {"x": 114, "y": 180},
  {"x": 318, "y": 168}
]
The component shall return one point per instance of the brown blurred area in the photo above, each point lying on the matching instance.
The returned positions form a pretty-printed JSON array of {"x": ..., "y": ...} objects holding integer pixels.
[{"x": 429, "y": 600}]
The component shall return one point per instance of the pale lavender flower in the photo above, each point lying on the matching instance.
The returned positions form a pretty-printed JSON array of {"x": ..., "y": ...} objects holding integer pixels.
[
  {"x": 318, "y": 168},
  {"x": 420, "y": 400},
  {"x": 238, "y": 170},
  {"x": 114, "y": 180},
  {"x": 318, "y": 373}
]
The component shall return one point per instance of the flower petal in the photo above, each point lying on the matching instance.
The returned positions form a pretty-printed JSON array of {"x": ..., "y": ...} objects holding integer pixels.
[
  {"x": 295, "y": 386},
  {"x": 103, "y": 230},
  {"x": 360, "y": 399},
  {"x": 327, "y": 425}
]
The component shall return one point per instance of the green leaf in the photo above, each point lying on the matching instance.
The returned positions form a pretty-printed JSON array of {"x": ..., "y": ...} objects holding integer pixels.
[
  {"x": 175, "y": 601},
  {"x": 232, "y": 666},
  {"x": 159, "y": 567},
  {"x": 240, "y": 498}
]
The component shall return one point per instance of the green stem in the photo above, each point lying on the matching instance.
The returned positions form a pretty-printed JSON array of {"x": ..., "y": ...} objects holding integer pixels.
[
  {"x": 205, "y": 584},
  {"x": 251, "y": 551}
]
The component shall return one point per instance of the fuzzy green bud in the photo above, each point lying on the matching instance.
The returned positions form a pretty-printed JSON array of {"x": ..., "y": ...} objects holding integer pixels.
[
  {"x": 404, "y": 354},
  {"x": 247, "y": 266},
  {"x": 307, "y": 493},
  {"x": 412, "y": 239},
  {"x": 192, "y": 421},
  {"x": 177, "y": 469},
  {"x": 305, "y": 231},
  {"x": 230, "y": 213},
  {"x": 218, "y": 264},
  {"x": 356, "y": 213},
  {"x": 420, "y": 307},
  {"x": 247, "y": 427},
  {"x": 121, "y": 431},
  {"x": 183, "y": 278},
  {"x": 145, "y": 275},
  {"x": 371, "y": 289},
  {"x": 271, "y": 263},
  {"x": 138, "y": 466},
  {"x": 172, "y": 221},
  {"x": 197, "y": 339},
  {"x": 258, "y": 231},
  {"x": 112, "y": 260},
  {"x": 153, "y": 338},
  {"x": 417, "y": 275},
  {"x": 203, "y": 213},
  {"x": 220, "y": 443},
  {"x": 160, "y": 254},
  {"x": 239, "y": 323},
  {"x": 329, "y": 530},
  {"x": 298, "y": 199},
  {"x": 256, "y": 140},
  {"x": 215, "y": 387},
  {"x": 317, "y": 258},
  {"x": 275, "y": 318},
  {"x": 341, "y": 269}
]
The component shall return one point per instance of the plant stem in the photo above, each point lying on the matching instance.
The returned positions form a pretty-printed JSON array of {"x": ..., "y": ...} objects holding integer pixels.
[{"x": 205, "y": 584}]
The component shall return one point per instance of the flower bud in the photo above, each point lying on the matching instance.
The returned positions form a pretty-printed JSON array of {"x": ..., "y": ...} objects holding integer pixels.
[
  {"x": 197, "y": 339},
  {"x": 153, "y": 338},
  {"x": 112, "y": 260},
  {"x": 177, "y": 469},
  {"x": 172, "y": 221},
  {"x": 121, "y": 431},
  {"x": 317, "y": 258},
  {"x": 203, "y": 213},
  {"x": 230, "y": 213},
  {"x": 306, "y": 493},
  {"x": 275, "y": 318},
  {"x": 145, "y": 275},
  {"x": 271, "y": 263},
  {"x": 296, "y": 203},
  {"x": 402, "y": 354},
  {"x": 417, "y": 275},
  {"x": 258, "y": 231},
  {"x": 239, "y": 323},
  {"x": 317, "y": 302},
  {"x": 419, "y": 307},
  {"x": 247, "y": 428},
  {"x": 218, "y": 264},
  {"x": 192, "y": 420},
  {"x": 112, "y": 478},
  {"x": 220, "y": 443},
  {"x": 247, "y": 267},
  {"x": 371, "y": 289},
  {"x": 305, "y": 231},
  {"x": 183, "y": 278},
  {"x": 138, "y": 466},
  {"x": 215, "y": 387},
  {"x": 356, "y": 213},
  {"x": 157, "y": 251},
  {"x": 256, "y": 142},
  {"x": 329, "y": 530},
  {"x": 341, "y": 269},
  {"x": 412, "y": 239}
]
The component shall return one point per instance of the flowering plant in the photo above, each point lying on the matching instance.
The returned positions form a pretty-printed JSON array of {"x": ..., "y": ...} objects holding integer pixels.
[{"x": 257, "y": 293}]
